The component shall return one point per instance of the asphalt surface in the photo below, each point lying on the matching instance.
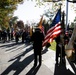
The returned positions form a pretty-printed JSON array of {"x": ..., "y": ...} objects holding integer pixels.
[{"x": 18, "y": 59}]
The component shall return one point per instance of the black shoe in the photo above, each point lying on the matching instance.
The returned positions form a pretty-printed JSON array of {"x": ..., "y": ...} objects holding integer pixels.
[
  {"x": 74, "y": 61},
  {"x": 35, "y": 65},
  {"x": 39, "y": 64}
]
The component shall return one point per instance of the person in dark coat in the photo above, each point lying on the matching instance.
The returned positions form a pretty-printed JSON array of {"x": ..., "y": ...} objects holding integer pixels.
[
  {"x": 59, "y": 50},
  {"x": 8, "y": 34},
  {"x": 4, "y": 36},
  {"x": 23, "y": 36},
  {"x": 17, "y": 36},
  {"x": 37, "y": 38}
]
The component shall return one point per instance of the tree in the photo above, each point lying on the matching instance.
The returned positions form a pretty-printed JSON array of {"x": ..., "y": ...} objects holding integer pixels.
[
  {"x": 20, "y": 24},
  {"x": 73, "y": 23},
  {"x": 13, "y": 21},
  {"x": 75, "y": 20},
  {"x": 7, "y": 8}
]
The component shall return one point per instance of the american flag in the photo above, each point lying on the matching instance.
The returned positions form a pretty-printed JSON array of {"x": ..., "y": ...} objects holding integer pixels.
[{"x": 54, "y": 30}]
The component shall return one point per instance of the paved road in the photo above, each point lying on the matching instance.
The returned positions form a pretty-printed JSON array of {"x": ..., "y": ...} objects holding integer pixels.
[{"x": 17, "y": 59}]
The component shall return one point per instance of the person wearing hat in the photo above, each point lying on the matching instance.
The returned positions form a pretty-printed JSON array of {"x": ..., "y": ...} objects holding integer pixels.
[{"x": 37, "y": 39}]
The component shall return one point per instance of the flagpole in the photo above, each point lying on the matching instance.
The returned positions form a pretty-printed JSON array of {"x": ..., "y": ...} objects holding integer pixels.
[
  {"x": 61, "y": 38},
  {"x": 66, "y": 15}
]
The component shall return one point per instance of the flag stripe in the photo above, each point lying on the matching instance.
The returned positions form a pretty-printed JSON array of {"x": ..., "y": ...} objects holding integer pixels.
[
  {"x": 52, "y": 30},
  {"x": 55, "y": 30},
  {"x": 52, "y": 33}
]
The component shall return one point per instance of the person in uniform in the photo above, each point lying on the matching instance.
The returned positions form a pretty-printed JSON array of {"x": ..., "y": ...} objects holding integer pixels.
[{"x": 37, "y": 38}]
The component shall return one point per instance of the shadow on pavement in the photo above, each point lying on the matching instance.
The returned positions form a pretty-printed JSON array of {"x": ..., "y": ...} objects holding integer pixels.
[
  {"x": 10, "y": 47},
  {"x": 61, "y": 69},
  {"x": 33, "y": 70},
  {"x": 21, "y": 54},
  {"x": 73, "y": 66},
  {"x": 18, "y": 66},
  {"x": 6, "y": 45}
]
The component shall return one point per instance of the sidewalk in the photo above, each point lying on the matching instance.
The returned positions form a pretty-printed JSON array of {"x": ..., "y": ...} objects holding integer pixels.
[
  {"x": 18, "y": 60},
  {"x": 48, "y": 63}
]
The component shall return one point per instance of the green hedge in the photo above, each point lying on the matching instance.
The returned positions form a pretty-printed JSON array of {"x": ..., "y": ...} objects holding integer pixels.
[{"x": 53, "y": 45}]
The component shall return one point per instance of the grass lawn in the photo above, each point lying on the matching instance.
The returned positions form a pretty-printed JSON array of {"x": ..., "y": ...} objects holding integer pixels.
[{"x": 53, "y": 46}]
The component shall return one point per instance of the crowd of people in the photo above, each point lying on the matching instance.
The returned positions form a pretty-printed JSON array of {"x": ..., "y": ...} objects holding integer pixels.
[
  {"x": 7, "y": 36},
  {"x": 60, "y": 47}
]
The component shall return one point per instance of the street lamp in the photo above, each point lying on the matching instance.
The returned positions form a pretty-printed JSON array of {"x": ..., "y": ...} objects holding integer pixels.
[
  {"x": 52, "y": 0},
  {"x": 73, "y": 1}
]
